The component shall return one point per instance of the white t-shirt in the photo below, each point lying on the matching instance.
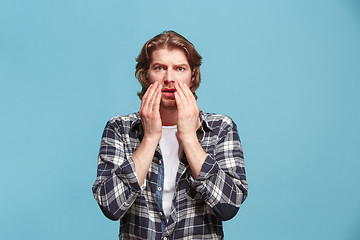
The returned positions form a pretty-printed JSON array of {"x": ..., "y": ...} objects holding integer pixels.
[{"x": 169, "y": 146}]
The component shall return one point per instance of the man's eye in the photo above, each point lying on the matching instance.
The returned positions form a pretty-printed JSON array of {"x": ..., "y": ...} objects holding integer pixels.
[
  {"x": 181, "y": 69},
  {"x": 159, "y": 68}
]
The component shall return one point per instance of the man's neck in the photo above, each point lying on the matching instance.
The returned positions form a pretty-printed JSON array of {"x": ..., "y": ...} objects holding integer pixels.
[{"x": 168, "y": 116}]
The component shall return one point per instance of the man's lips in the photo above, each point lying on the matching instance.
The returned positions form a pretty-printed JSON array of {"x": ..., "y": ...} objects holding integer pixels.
[{"x": 169, "y": 92}]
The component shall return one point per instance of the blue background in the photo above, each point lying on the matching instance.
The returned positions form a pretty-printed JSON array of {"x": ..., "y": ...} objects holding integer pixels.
[{"x": 287, "y": 72}]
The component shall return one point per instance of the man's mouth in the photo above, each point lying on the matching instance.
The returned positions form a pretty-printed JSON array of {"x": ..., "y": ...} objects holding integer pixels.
[{"x": 169, "y": 92}]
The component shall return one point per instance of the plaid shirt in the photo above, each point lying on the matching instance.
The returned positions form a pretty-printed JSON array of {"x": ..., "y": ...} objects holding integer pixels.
[{"x": 199, "y": 206}]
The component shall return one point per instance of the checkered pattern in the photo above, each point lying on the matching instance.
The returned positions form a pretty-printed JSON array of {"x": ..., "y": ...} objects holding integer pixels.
[{"x": 199, "y": 206}]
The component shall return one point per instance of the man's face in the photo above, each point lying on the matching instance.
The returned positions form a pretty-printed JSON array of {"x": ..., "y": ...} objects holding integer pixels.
[{"x": 167, "y": 67}]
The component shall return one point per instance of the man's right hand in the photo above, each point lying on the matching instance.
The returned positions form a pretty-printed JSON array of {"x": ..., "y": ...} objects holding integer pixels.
[
  {"x": 150, "y": 113},
  {"x": 151, "y": 121}
]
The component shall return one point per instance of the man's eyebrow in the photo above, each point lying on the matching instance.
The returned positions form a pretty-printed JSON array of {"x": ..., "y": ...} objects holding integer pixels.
[
  {"x": 156, "y": 63},
  {"x": 179, "y": 64},
  {"x": 182, "y": 65}
]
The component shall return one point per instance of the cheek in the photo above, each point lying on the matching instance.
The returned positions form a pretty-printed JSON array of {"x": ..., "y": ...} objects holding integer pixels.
[
  {"x": 153, "y": 77},
  {"x": 186, "y": 79}
]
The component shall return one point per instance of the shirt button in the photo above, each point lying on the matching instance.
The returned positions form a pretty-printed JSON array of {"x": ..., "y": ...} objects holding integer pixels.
[
  {"x": 165, "y": 238},
  {"x": 159, "y": 188},
  {"x": 160, "y": 162},
  {"x": 161, "y": 213}
]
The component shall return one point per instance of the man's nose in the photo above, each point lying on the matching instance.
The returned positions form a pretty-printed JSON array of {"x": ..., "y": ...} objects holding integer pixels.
[{"x": 169, "y": 76}]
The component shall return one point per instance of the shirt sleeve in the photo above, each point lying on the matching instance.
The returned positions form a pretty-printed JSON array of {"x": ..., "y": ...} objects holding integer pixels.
[
  {"x": 222, "y": 181},
  {"x": 116, "y": 186}
]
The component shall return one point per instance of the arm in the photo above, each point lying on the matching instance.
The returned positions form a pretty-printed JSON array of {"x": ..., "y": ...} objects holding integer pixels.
[
  {"x": 219, "y": 177},
  {"x": 188, "y": 122},
  {"x": 151, "y": 121},
  {"x": 222, "y": 181},
  {"x": 116, "y": 186},
  {"x": 121, "y": 173}
]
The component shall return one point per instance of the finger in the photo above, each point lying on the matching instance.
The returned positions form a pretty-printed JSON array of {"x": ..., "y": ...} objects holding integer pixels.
[
  {"x": 179, "y": 104},
  {"x": 146, "y": 95},
  {"x": 157, "y": 100},
  {"x": 143, "y": 99},
  {"x": 180, "y": 92},
  {"x": 150, "y": 99},
  {"x": 193, "y": 100},
  {"x": 193, "y": 107},
  {"x": 189, "y": 95},
  {"x": 190, "y": 99},
  {"x": 144, "y": 108},
  {"x": 153, "y": 97}
]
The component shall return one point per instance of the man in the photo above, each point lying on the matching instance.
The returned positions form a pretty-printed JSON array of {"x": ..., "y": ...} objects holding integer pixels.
[{"x": 170, "y": 171}]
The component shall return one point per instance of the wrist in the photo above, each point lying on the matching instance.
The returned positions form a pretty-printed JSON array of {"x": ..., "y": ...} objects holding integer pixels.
[
  {"x": 151, "y": 140},
  {"x": 188, "y": 139}
]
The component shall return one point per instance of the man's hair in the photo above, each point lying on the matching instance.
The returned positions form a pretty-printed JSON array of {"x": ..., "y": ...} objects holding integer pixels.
[{"x": 171, "y": 40}]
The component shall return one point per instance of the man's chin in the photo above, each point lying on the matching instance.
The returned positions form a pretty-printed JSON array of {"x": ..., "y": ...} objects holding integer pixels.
[{"x": 168, "y": 104}]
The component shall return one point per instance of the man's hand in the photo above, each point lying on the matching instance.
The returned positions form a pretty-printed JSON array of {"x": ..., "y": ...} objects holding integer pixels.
[
  {"x": 150, "y": 113},
  {"x": 188, "y": 123},
  {"x": 151, "y": 121},
  {"x": 188, "y": 112}
]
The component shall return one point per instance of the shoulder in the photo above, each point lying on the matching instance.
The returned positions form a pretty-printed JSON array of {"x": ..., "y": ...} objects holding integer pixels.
[
  {"x": 132, "y": 117},
  {"x": 220, "y": 125},
  {"x": 214, "y": 120},
  {"x": 123, "y": 122}
]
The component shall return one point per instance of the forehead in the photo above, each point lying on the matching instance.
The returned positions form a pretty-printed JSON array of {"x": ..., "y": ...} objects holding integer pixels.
[{"x": 169, "y": 56}]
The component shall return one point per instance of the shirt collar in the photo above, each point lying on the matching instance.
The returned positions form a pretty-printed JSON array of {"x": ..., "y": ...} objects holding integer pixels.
[
  {"x": 204, "y": 125},
  {"x": 136, "y": 124}
]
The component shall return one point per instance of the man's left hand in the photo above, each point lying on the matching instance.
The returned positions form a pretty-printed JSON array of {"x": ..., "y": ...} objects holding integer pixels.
[
  {"x": 188, "y": 112},
  {"x": 188, "y": 123}
]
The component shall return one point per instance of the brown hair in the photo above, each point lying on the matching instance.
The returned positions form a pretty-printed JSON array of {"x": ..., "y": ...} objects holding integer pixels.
[{"x": 169, "y": 39}]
